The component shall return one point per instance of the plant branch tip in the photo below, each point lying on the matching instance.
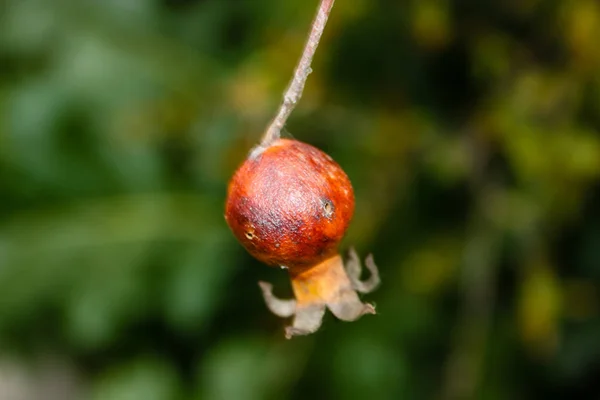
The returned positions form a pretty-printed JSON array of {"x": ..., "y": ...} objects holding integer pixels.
[{"x": 294, "y": 91}]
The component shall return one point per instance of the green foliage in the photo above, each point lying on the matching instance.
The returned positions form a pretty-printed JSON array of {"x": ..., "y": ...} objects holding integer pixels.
[{"x": 470, "y": 131}]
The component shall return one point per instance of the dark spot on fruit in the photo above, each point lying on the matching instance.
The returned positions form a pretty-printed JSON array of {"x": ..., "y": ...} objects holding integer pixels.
[{"x": 327, "y": 208}]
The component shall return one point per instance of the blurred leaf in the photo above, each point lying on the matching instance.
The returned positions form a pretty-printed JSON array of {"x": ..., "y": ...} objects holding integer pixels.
[
  {"x": 199, "y": 281},
  {"x": 431, "y": 23},
  {"x": 580, "y": 300},
  {"x": 540, "y": 306},
  {"x": 90, "y": 256},
  {"x": 365, "y": 368},
  {"x": 430, "y": 268},
  {"x": 249, "y": 368},
  {"x": 106, "y": 296},
  {"x": 581, "y": 21},
  {"x": 140, "y": 379}
]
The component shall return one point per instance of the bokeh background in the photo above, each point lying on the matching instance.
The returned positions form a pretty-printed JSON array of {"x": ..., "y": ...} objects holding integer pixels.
[{"x": 469, "y": 128}]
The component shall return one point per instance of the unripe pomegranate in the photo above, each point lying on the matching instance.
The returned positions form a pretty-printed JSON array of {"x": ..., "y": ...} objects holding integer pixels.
[{"x": 289, "y": 204}]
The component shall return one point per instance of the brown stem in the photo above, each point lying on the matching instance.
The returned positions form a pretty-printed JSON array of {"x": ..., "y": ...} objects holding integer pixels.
[{"x": 294, "y": 91}]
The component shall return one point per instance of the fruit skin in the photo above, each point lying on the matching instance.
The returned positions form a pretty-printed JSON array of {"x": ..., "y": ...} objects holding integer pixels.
[{"x": 290, "y": 204}]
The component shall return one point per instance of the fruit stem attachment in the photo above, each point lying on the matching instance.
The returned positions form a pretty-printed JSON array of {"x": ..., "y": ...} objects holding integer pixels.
[{"x": 294, "y": 91}]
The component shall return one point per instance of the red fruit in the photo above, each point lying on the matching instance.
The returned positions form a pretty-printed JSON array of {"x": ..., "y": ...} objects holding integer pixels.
[{"x": 290, "y": 205}]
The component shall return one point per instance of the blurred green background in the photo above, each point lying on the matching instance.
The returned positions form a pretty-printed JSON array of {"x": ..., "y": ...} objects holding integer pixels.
[{"x": 469, "y": 128}]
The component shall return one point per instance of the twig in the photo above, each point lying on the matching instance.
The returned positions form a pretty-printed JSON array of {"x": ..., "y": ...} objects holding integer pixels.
[{"x": 294, "y": 91}]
